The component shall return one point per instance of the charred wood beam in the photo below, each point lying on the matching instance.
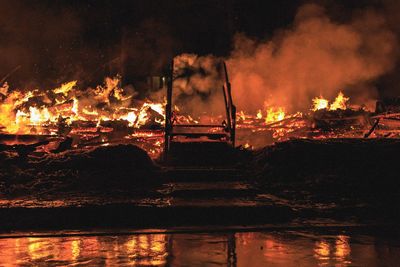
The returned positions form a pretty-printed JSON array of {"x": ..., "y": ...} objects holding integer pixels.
[
  {"x": 389, "y": 115},
  {"x": 372, "y": 128}
]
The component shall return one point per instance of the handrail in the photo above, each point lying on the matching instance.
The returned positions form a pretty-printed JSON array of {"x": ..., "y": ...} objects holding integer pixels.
[
  {"x": 168, "y": 110},
  {"x": 231, "y": 109},
  {"x": 229, "y": 126},
  {"x": 200, "y": 125}
]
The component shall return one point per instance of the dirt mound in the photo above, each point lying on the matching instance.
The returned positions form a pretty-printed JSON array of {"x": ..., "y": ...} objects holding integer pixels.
[
  {"x": 108, "y": 168},
  {"x": 340, "y": 172}
]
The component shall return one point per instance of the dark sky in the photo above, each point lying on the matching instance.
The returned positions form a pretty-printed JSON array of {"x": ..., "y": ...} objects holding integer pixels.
[{"x": 53, "y": 41}]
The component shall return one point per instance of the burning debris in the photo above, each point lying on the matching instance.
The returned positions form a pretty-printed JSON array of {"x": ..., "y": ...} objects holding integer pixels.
[
  {"x": 109, "y": 114},
  {"x": 41, "y": 112},
  {"x": 112, "y": 114}
]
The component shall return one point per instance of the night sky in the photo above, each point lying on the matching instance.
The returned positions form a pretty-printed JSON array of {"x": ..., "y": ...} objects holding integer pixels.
[{"x": 53, "y": 41}]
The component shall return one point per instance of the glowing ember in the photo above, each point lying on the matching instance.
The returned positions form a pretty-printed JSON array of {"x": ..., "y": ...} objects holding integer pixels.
[
  {"x": 20, "y": 111},
  {"x": 107, "y": 108}
]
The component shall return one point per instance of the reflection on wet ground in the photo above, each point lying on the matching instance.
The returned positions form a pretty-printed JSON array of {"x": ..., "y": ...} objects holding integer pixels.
[{"x": 275, "y": 248}]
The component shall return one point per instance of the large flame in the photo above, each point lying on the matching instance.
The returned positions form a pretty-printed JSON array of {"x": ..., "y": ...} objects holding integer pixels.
[
  {"x": 21, "y": 111},
  {"x": 108, "y": 105},
  {"x": 340, "y": 102},
  {"x": 274, "y": 114},
  {"x": 322, "y": 103}
]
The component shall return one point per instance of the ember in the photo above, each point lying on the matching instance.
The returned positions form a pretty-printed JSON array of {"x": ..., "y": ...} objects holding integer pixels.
[
  {"x": 23, "y": 112},
  {"x": 149, "y": 121},
  {"x": 108, "y": 112}
]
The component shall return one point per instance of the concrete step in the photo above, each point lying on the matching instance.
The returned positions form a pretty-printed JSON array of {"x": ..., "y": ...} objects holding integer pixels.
[
  {"x": 196, "y": 174},
  {"x": 204, "y": 190}
]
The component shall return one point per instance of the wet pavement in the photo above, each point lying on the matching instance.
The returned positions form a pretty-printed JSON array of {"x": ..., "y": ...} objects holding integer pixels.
[{"x": 274, "y": 247}]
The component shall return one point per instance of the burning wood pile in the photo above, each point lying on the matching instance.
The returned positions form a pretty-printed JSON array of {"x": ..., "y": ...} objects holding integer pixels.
[
  {"x": 67, "y": 117},
  {"x": 324, "y": 120},
  {"x": 95, "y": 116}
]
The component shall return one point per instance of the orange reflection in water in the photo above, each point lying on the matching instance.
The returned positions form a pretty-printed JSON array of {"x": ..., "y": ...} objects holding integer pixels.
[
  {"x": 322, "y": 250},
  {"x": 342, "y": 248},
  {"x": 335, "y": 252},
  {"x": 289, "y": 249},
  {"x": 254, "y": 249},
  {"x": 148, "y": 249},
  {"x": 143, "y": 250},
  {"x": 274, "y": 247}
]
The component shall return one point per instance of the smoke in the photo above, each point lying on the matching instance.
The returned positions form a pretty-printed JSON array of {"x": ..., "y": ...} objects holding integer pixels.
[
  {"x": 49, "y": 42},
  {"x": 316, "y": 56},
  {"x": 197, "y": 85},
  {"x": 52, "y": 42},
  {"x": 37, "y": 40}
]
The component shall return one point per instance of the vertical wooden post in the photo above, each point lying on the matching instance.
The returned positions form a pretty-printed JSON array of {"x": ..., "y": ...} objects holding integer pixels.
[
  {"x": 168, "y": 110},
  {"x": 231, "y": 107}
]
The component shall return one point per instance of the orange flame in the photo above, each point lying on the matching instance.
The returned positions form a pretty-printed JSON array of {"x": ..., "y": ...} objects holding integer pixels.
[
  {"x": 18, "y": 114},
  {"x": 274, "y": 114},
  {"x": 322, "y": 103}
]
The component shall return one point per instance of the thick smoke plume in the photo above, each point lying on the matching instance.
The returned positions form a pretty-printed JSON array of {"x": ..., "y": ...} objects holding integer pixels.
[
  {"x": 198, "y": 84},
  {"x": 317, "y": 56}
]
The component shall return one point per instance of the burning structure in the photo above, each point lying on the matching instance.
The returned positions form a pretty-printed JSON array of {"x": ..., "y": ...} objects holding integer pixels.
[
  {"x": 296, "y": 130},
  {"x": 278, "y": 85},
  {"x": 110, "y": 114}
]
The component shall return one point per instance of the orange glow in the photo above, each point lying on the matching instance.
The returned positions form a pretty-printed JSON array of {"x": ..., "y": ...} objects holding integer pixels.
[
  {"x": 19, "y": 113},
  {"x": 340, "y": 102},
  {"x": 322, "y": 103},
  {"x": 274, "y": 114},
  {"x": 342, "y": 247},
  {"x": 322, "y": 250},
  {"x": 259, "y": 114},
  {"x": 319, "y": 103}
]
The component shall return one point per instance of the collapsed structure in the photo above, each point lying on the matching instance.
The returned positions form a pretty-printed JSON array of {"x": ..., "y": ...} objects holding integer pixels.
[{"x": 68, "y": 117}]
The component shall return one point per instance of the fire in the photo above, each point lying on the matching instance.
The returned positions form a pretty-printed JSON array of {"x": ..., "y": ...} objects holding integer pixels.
[
  {"x": 259, "y": 114},
  {"x": 131, "y": 118},
  {"x": 21, "y": 111},
  {"x": 38, "y": 116},
  {"x": 65, "y": 88},
  {"x": 94, "y": 112},
  {"x": 322, "y": 103},
  {"x": 340, "y": 102},
  {"x": 274, "y": 114}
]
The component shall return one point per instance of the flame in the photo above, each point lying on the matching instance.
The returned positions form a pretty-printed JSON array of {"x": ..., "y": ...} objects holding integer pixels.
[
  {"x": 274, "y": 114},
  {"x": 322, "y": 103},
  {"x": 18, "y": 114},
  {"x": 65, "y": 88},
  {"x": 259, "y": 114},
  {"x": 38, "y": 116},
  {"x": 340, "y": 102},
  {"x": 241, "y": 115},
  {"x": 50, "y": 112},
  {"x": 131, "y": 118}
]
